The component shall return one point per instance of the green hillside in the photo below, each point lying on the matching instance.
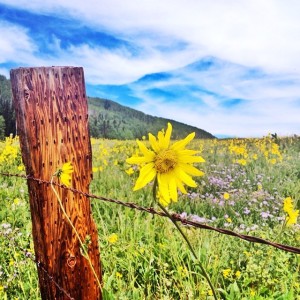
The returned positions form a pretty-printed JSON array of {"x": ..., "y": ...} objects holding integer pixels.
[
  {"x": 7, "y": 115},
  {"x": 111, "y": 120},
  {"x": 108, "y": 119}
]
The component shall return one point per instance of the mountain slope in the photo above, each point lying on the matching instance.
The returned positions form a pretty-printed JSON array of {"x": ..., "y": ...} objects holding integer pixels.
[
  {"x": 111, "y": 120},
  {"x": 8, "y": 125}
]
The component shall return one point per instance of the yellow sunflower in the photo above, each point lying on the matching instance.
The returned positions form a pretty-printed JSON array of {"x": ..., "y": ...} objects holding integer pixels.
[
  {"x": 65, "y": 174},
  {"x": 170, "y": 164}
]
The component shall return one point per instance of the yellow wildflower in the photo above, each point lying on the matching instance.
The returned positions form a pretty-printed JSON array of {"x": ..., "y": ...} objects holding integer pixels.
[
  {"x": 65, "y": 174},
  {"x": 292, "y": 214},
  {"x": 292, "y": 218},
  {"x": 183, "y": 271},
  {"x": 119, "y": 275},
  {"x": 21, "y": 168},
  {"x": 112, "y": 239},
  {"x": 16, "y": 201},
  {"x": 238, "y": 274},
  {"x": 226, "y": 196},
  {"x": 171, "y": 165},
  {"x": 242, "y": 162},
  {"x": 130, "y": 171},
  {"x": 288, "y": 204},
  {"x": 226, "y": 273}
]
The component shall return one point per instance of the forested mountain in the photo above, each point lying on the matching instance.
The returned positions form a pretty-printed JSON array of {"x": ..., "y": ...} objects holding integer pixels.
[
  {"x": 111, "y": 120},
  {"x": 7, "y": 115},
  {"x": 108, "y": 119}
]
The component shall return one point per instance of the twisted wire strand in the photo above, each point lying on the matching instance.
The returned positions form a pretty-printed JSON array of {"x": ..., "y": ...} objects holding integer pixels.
[
  {"x": 40, "y": 266},
  {"x": 175, "y": 216}
]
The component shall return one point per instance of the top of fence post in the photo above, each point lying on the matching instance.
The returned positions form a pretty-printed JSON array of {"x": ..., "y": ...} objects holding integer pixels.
[{"x": 52, "y": 121}]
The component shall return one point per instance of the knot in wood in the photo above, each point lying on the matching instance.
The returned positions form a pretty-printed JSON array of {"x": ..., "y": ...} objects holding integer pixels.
[
  {"x": 26, "y": 94},
  {"x": 71, "y": 261}
]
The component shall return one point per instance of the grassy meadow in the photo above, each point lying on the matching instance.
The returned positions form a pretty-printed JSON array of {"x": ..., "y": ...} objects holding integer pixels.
[{"x": 144, "y": 257}]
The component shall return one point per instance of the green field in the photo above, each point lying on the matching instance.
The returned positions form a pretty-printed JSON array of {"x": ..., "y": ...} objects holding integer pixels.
[{"x": 143, "y": 256}]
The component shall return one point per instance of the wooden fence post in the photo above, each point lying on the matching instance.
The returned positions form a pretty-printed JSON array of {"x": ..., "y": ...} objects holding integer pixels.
[{"x": 52, "y": 122}]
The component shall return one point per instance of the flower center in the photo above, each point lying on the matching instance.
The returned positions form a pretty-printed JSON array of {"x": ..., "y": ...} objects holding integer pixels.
[{"x": 165, "y": 161}]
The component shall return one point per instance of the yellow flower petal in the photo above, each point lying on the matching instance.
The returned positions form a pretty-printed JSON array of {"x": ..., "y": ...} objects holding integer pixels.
[
  {"x": 161, "y": 139},
  {"x": 145, "y": 150},
  {"x": 189, "y": 169},
  {"x": 190, "y": 159},
  {"x": 153, "y": 143},
  {"x": 163, "y": 186},
  {"x": 167, "y": 136},
  {"x": 147, "y": 173},
  {"x": 162, "y": 200},
  {"x": 173, "y": 188},
  {"x": 67, "y": 168},
  {"x": 181, "y": 186},
  {"x": 65, "y": 179},
  {"x": 181, "y": 144},
  {"x": 185, "y": 178},
  {"x": 137, "y": 160},
  {"x": 188, "y": 152}
]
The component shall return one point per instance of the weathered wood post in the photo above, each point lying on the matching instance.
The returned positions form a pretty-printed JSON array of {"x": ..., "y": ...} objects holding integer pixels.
[{"x": 52, "y": 121}]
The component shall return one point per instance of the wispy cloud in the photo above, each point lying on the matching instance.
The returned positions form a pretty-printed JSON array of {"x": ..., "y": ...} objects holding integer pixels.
[
  {"x": 252, "y": 33},
  {"x": 15, "y": 44},
  {"x": 245, "y": 102}
]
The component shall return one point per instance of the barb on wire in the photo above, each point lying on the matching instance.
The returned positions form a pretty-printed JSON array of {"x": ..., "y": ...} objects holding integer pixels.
[{"x": 176, "y": 217}]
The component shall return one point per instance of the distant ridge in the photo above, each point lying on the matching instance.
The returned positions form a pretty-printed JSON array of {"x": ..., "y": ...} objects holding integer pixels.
[{"x": 109, "y": 119}]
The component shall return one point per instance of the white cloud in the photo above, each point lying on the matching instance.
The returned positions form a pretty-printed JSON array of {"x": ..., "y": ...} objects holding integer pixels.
[
  {"x": 15, "y": 43},
  {"x": 118, "y": 66},
  {"x": 252, "y": 122},
  {"x": 252, "y": 33},
  {"x": 269, "y": 103},
  {"x": 234, "y": 81}
]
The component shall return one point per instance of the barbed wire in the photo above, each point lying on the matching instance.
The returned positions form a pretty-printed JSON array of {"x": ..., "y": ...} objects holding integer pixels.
[
  {"x": 40, "y": 266},
  {"x": 175, "y": 216}
]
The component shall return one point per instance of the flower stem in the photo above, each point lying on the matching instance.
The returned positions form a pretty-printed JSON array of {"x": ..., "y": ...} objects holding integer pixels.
[{"x": 204, "y": 273}]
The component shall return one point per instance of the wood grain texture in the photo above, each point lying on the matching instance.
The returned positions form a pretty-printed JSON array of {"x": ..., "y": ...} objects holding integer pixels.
[{"x": 52, "y": 122}]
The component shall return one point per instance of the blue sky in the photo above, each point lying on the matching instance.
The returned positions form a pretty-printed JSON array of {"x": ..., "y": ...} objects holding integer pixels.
[{"x": 229, "y": 67}]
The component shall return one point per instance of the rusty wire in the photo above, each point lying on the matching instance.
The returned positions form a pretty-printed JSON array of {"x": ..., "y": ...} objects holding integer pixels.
[
  {"x": 40, "y": 266},
  {"x": 175, "y": 217}
]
